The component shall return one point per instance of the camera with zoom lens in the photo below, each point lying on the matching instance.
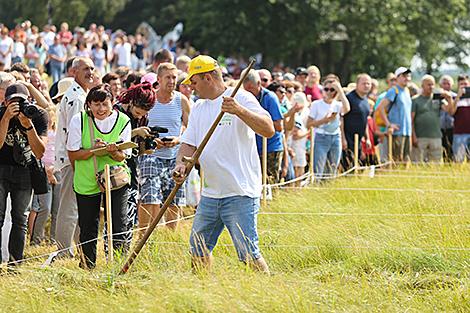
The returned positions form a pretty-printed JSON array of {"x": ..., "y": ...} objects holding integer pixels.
[
  {"x": 28, "y": 109},
  {"x": 149, "y": 143}
]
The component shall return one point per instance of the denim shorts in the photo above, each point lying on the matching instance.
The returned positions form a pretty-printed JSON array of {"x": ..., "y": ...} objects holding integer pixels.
[
  {"x": 155, "y": 180},
  {"x": 238, "y": 214}
]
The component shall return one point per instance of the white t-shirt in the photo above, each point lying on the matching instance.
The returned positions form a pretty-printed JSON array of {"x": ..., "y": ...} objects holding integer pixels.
[
  {"x": 18, "y": 50},
  {"x": 74, "y": 138},
  {"x": 320, "y": 109},
  {"x": 5, "y": 44},
  {"x": 230, "y": 160},
  {"x": 48, "y": 38},
  {"x": 123, "y": 52}
]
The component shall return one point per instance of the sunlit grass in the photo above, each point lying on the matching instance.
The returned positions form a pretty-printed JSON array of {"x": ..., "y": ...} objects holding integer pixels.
[{"x": 342, "y": 250}]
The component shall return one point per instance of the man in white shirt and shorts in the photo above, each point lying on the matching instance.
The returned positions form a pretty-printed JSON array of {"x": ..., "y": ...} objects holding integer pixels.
[{"x": 232, "y": 171}]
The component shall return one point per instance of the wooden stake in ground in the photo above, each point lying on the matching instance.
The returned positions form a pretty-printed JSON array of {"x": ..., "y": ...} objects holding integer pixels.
[
  {"x": 311, "y": 171},
  {"x": 265, "y": 170},
  {"x": 356, "y": 153},
  {"x": 189, "y": 165},
  {"x": 390, "y": 151},
  {"x": 109, "y": 221}
]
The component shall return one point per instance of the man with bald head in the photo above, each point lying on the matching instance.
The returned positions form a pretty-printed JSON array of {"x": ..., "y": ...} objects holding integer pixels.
[
  {"x": 266, "y": 77},
  {"x": 72, "y": 102},
  {"x": 355, "y": 121}
]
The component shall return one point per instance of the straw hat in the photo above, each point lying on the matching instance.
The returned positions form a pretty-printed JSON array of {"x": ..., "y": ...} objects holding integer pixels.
[{"x": 62, "y": 86}]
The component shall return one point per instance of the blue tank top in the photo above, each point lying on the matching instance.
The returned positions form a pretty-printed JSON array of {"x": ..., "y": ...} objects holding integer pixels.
[{"x": 167, "y": 115}]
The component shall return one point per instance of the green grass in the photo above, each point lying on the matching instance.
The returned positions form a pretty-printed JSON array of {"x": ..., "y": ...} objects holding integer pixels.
[{"x": 345, "y": 250}]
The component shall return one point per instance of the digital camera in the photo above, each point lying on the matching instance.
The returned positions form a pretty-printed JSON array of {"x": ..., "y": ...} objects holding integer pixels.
[
  {"x": 149, "y": 142},
  {"x": 28, "y": 109}
]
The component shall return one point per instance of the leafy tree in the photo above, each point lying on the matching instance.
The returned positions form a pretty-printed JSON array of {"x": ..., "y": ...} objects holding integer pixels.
[
  {"x": 162, "y": 15},
  {"x": 340, "y": 36}
]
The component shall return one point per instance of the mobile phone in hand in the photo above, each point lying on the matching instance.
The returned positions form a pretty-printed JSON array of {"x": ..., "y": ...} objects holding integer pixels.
[
  {"x": 166, "y": 139},
  {"x": 466, "y": 95}
]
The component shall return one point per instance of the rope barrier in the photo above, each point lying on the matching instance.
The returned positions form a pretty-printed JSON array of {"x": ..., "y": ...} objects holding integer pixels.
[
  {"x": 53, "y": 254},
  {"x": 413, "y": 176},
  {"x": 365, "y": 214},
  {"x": 384, "y": 189},
  {"x": 305, "y": 176},
  {"x": 267, "y": 246}
]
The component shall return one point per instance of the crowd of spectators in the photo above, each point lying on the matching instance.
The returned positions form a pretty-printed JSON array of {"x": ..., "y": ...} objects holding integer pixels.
[{"x": 64, "y": 93}]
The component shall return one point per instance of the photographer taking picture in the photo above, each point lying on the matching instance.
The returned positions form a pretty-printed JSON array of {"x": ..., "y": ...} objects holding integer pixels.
[{"x": 23, "y": 133}]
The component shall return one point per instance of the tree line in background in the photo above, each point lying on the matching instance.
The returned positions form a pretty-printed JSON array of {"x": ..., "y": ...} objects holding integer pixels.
[{"x": 340, "y": 36}]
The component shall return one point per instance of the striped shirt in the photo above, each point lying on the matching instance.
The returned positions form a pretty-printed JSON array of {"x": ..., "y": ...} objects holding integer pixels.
[{"x": 168, "y": 115}]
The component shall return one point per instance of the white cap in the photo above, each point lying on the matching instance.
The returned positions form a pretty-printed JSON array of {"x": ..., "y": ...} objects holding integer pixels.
[{"x": 401, "y": 70}]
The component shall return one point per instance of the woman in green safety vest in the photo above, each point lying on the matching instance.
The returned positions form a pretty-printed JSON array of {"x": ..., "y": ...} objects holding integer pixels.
[{"x": 95, "y": 127}]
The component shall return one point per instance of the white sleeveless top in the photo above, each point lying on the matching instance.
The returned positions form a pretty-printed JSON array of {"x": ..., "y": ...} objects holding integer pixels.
[{"x": 167, "y": 115}]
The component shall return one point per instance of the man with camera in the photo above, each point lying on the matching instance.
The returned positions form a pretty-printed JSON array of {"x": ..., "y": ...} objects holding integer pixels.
[
  {"x": 447, "y": 121},
  {"x": 461, "y": 111},
  {"x": 425, "y": 114},
  {"x": 23, "y": 133}
]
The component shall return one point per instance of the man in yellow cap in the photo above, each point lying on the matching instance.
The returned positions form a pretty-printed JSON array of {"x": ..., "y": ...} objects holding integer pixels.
[{"x": 232, "y": 171}]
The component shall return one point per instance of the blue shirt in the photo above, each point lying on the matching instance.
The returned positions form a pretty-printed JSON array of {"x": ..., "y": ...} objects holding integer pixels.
[
  {"x": 270, "y": 103},
  {"x": 59, "y": 51},
  {"x": 400, "y": 112}
]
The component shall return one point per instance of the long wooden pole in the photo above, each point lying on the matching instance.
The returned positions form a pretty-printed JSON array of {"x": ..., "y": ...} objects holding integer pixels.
[
  {"x": 264, "y": 156},
  {"x": 109, "y": 221},
  {"x": 390, "y": 151},
  {"x": 189, "y": 165},
  {"x": 356, "y": 153},
  {"x": 311, "y": 165}
]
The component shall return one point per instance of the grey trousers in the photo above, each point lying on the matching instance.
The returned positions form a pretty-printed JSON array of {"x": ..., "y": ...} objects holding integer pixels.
[
  {"x": 45, "y": 205},
  {"x": 67, "y": 214}
]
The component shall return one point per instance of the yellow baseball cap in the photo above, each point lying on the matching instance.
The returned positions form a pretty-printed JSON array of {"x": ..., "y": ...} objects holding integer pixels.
[{"x": 200, "y": 64}]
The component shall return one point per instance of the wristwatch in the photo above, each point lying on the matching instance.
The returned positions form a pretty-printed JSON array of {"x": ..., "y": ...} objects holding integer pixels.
[{"x": 29, "y": 128}]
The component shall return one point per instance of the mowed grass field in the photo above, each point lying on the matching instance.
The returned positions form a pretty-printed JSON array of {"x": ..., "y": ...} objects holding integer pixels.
[{"x": 397, "y": 242}]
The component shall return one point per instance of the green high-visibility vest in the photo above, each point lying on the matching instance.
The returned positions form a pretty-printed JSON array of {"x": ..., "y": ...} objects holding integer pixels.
[{"x": 84, "y": 178}]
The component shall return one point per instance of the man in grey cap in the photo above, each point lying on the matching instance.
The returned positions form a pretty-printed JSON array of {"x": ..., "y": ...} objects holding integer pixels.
[
  {"x": 395, "y": 111},
  {"x": 23, "y": 134}
]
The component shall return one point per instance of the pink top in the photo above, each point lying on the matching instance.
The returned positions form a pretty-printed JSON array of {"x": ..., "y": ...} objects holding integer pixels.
[
  {"x": 314, "y": 92},
  {"x": 48, "y": 157}
]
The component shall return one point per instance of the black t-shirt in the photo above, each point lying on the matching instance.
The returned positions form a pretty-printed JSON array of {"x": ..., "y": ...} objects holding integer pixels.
[
  {"x": 16, "y": 140},
  {"x": 139, "y": 51},
  {"x": 355, "y": 120}
]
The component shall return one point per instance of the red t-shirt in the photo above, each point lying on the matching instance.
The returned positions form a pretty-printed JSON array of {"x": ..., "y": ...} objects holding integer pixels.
[
  {"x": 65, "y": 37},
  {"x": 314, "y": 92},
  {"x": 371, "y": 129},
  {"x": 461, "y": 117}
]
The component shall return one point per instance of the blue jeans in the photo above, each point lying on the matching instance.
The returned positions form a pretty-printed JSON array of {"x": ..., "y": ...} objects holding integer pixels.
[
  {"x": 290, "y": 175},
  {"x": 460, "y": 147},
  {"x": 238, "y": 214},
  {"x": 327, "y": 153},
  {"x": 16, "y": 181},
  {"x": 56, "y": 72}
]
